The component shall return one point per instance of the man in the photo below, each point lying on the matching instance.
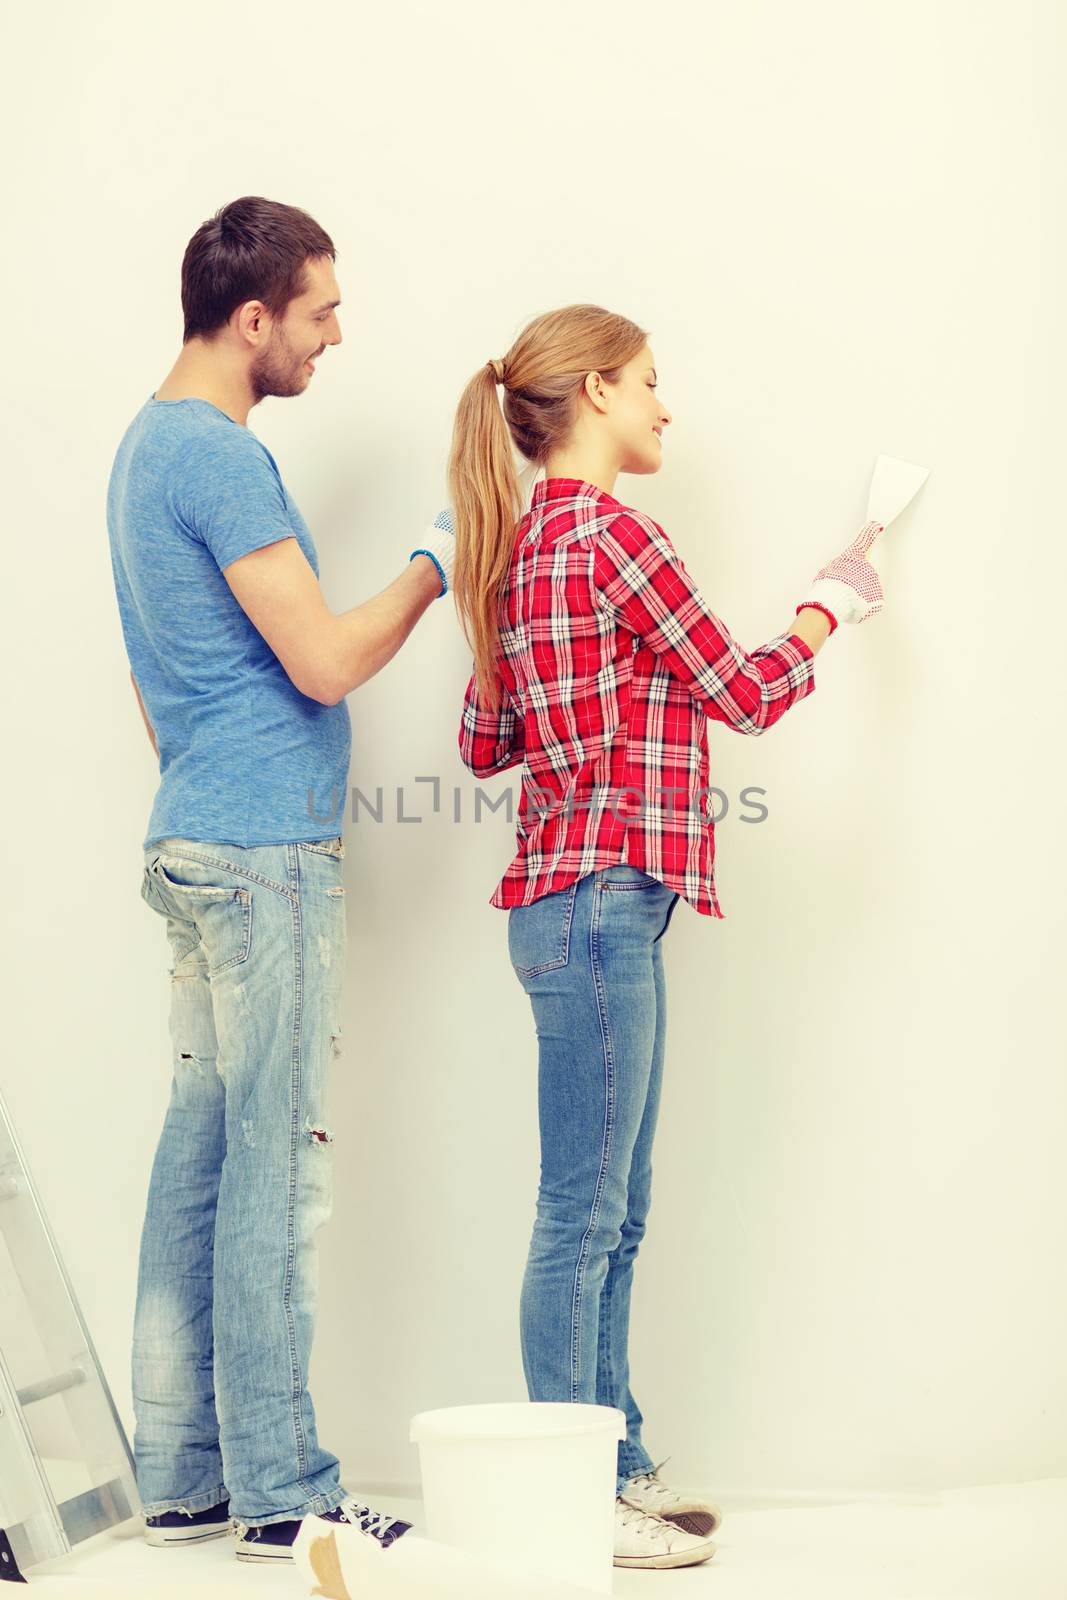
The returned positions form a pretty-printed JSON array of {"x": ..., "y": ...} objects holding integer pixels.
[{"x": 241, "y": 671}]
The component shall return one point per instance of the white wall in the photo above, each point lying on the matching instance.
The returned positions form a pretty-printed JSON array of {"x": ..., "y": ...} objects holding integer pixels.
[{"x": 838, "y": 224}]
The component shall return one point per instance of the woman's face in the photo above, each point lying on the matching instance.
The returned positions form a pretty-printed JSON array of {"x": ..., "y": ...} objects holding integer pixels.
[{"x": 638, "y": 416}]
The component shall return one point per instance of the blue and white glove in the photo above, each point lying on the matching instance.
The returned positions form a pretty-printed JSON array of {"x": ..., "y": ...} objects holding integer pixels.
[
  {"x": 440, "y": 541},
  {"x": 440, "y": 546}
]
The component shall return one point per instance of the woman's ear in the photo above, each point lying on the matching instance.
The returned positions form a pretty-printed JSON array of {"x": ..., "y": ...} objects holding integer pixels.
[{"x": 596, "y": 389}]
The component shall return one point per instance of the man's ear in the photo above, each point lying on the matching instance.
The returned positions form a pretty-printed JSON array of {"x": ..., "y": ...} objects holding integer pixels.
[{"x": 253, "y": 322}]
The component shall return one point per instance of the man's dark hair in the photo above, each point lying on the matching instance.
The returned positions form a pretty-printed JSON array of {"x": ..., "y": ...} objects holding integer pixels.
[{"x": 251, "y": 249}]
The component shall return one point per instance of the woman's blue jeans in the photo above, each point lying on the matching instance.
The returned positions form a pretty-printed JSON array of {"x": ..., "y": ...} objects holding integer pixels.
[
  {"x": 590, "y": 957},
  {"x": 228, "y": 1276}
]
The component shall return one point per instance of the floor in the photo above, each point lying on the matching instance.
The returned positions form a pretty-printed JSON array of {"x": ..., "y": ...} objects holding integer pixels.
[{"x": 1002, "y": 1542}]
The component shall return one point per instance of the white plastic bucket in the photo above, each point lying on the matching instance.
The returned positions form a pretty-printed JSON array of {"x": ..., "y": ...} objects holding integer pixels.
[{"x": 529, "y": 1483}]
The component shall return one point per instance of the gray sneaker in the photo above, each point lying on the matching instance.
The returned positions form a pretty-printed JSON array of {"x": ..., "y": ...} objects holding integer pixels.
[
  {"x": 644, "y": 1540},
  {"x": 692, "y": 1512}
]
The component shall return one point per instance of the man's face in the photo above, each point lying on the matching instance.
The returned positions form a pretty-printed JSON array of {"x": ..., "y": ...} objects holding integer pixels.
[{"x": 286, "y": 363}]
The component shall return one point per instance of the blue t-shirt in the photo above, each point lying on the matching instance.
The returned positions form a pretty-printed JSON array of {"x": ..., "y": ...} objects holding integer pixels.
[{"x": 244, "y": 756}]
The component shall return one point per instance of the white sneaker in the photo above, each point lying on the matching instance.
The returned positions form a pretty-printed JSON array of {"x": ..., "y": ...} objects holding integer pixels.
[
  {"x": 644, "y": 1540},
  {"x": 695, "y": 1514}
]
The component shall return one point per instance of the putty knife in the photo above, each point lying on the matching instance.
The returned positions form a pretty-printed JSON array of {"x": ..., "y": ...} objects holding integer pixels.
[{"x": 893, "y": 485}]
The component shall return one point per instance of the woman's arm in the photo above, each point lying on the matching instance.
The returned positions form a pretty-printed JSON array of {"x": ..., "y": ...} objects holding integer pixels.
[
  {"x": 490, "y": 741},
  {"x": 640, "y": 580},
  {"x": 813, "y": 626}
]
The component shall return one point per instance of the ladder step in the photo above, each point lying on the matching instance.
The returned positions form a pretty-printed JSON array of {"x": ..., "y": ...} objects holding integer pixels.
[
  {"x": 50, "y": 1456},
  {"x": 49, "y": 1386}
]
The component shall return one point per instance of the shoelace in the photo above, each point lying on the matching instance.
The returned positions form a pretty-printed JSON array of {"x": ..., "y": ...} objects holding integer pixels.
[
  {"x": 372, "y": 1522},
  {"x": 635, "y": 1516},
  {"x": 653, "y": 1482}
]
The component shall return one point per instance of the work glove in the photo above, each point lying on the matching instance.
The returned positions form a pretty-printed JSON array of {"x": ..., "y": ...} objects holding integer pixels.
[
  {"x": 439, "y": 543},
  {"x": 848, "y": 588}
]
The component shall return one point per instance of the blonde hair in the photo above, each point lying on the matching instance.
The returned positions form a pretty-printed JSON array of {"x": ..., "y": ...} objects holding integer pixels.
[{"x": 543, "y": 375}]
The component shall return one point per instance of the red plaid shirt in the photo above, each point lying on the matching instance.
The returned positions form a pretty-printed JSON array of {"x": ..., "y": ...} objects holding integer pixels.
[{"x": 612, "y": 663}]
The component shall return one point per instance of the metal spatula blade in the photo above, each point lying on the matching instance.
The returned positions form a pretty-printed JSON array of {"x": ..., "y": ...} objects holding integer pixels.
[{"x": 893, "y": 485}]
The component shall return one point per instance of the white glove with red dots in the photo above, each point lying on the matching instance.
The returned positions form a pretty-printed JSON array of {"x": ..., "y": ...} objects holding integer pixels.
[{"x": 848, "y": 588}]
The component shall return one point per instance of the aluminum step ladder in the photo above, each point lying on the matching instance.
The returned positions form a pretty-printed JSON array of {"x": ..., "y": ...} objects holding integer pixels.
[{"x": 66, "y": 1468}]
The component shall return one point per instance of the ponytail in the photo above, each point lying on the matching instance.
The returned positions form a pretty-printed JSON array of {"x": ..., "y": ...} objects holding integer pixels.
[
  {"x": 483, "y": 490},
  {"x": 543, "y": 375}
]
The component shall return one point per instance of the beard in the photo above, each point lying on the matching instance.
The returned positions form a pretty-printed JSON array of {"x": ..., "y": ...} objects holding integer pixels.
[{"x": 279, "y": 370}]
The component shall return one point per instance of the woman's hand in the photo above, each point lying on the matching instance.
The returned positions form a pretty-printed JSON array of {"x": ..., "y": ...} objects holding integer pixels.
[{"x": 849, "y": 587}]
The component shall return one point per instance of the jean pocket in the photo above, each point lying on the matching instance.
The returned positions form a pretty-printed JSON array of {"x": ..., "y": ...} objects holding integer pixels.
[
  {"x": 625, "y": 876},
  {"x": 539, "y": 935},
  {"x": 324, "y": 847},
  {"x": 220, "y": 913},
  {"x": 670, "y": 913}
]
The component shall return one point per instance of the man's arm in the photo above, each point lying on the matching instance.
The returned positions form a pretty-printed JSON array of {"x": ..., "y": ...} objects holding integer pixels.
[
  {"x": 144, "y": 714},
  {"x": 326, "y": 656}
]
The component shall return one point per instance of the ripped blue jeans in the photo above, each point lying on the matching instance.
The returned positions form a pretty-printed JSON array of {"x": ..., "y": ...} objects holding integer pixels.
[{"x": 242, "y": 1178}]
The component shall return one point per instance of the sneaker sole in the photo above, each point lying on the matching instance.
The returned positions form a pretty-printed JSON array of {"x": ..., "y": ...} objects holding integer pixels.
[
  {"x": 166, "y": 1536},
  {"x": 669, "y": 1558},
  {"x": 275, "y": 1552},
  {"x": 700, "y": 1523}
]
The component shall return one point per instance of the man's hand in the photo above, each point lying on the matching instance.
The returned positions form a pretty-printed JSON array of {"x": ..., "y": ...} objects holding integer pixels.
[{"x": 440, "y": 545}]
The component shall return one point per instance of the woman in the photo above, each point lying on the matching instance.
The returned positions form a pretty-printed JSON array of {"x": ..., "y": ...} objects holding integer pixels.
[{"x": 598, "y": 665}]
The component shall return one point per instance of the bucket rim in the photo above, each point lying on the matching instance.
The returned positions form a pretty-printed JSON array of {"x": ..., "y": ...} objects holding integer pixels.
[{"x": 473, "y": 1424}]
